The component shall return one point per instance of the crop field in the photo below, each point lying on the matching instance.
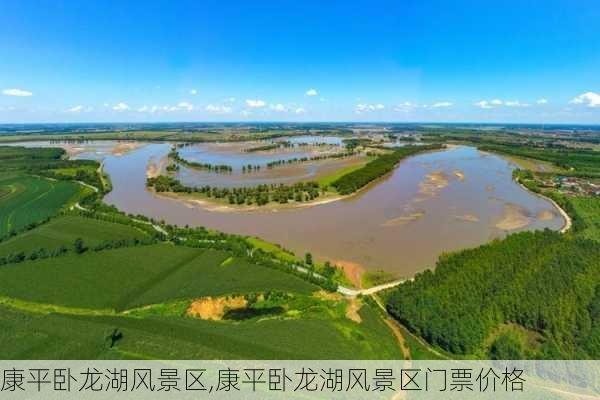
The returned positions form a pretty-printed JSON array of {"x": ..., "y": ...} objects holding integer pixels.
[
  {"x": 62, "y": 336},
  {"x": 62, "y": 231},
  {"x": 65, "y": 307},
  {"x": 129, "y": 277},
  {"x": 27, "y": 199}
]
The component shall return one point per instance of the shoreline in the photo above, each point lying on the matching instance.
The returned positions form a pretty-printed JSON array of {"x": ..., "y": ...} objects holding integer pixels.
[{"x": 568, "y": 222}]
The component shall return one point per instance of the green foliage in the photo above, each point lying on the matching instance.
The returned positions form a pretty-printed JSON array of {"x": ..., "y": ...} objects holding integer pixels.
[
  {"x": 507, "y": 346},
  {"x": 174, "y": 155},
  {"x": 29, "y": 200},
  {"x": 587, "y": 209},
  {"x": 380, "y": 166},
  {"x": 63, "y": 230},
  {"x": 61, "y": 336},
  {"x": 259, "y": 195},
  {"x": 134, "y": 276},
  {"x": 542, "y": 281},
  {"x": 584, "y": 162}
]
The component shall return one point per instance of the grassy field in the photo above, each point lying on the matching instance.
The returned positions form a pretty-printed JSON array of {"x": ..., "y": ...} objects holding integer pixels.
[
  {"x": 28, "y": 199},
  {"x": 588, "y": 208},
  {"x": 329, "y": 179},
  {"x": 64, "y": 230},
  {"x": 135, "y": 276},
  {"x": 65, "y": 307},
  {"x": 273, "y": 249},
  {"x": 63, "y": 336}
]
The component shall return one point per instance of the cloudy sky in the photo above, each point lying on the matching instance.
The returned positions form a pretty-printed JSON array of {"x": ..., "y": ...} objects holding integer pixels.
[{"x": 284, "y": 60}]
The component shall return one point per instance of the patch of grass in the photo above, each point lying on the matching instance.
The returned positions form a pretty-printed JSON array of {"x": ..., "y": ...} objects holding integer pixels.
[
  {"x": 30, "y": 199},
  {"x": 274, "y": 249},
  {"x": 588, "y": 209},
  {"x": 327, "y": 180},
  {"x": 374, "y": 278},
  {"x": 26, "y": 335},
  {"x": 135, "y": 276},
  {"x": 63, "y": 231}
]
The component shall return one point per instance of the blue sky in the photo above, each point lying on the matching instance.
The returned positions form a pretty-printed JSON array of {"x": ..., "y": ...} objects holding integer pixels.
[{"x": 509, "y": 61}]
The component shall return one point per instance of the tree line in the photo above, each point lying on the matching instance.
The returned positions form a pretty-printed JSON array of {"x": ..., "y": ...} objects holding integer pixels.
[
  {"x": 376, "y": 168},
  {"x": 259, "y": 195}
]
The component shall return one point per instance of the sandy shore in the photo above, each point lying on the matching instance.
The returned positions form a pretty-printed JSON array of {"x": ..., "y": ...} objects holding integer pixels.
[
  {"x": 563, "y": 213},
  {"x": 123, "y": 148},
  {"x": 216, "y": 206}
]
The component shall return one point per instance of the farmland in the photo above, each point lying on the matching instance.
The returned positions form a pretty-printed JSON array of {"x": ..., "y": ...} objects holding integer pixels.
[
  {"x": 141, "y": 290},
  {"x": 62, "y": 231},
  {"x": 30, "y": 199}
]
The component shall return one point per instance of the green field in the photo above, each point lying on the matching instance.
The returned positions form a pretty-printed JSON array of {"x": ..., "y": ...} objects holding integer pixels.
[
  {"x": 130, "y": 277},
  {"x": 588, "y": 209},
  {"x": 27, "y": 335},
  {"x": 28, "y": 199},
  {"x": 62, "y": 231},
  {"x": 64, "y": 307}
]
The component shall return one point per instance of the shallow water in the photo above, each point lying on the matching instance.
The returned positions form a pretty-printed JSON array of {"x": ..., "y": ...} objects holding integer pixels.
[{"x": 401, "y": 224}]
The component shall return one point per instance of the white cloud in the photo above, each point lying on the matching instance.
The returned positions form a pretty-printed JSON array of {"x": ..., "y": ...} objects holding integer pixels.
[
  {"x": 542, "y": 101},
  {"x": 143, "y": 109},
  {"x": 515, "y": 103},
  {"x": 442, "y": 104},
  {"x": 590, "y": 98},
  {"x": 17, "y": 92},
  {"x": 300, "y": 110},
  {"x": 75, "y": 109},
  {"x": 193, "y": 92},
  {"x": 312, "y": 92},
  {"x": 218, "y": 109},
  {"x": 483, "y": 104},
  {"x": 362, "y": 108},
  {"x": 407, "y": 106},
  {"x": 185, "y": 105},
  {"x": 496, "y": 102},
  {"x": 154, "y": 109},
  {"x": 278, "y": 107},
  {"x": 121, "y": 107},
  {"x": 255, "y": 103}
]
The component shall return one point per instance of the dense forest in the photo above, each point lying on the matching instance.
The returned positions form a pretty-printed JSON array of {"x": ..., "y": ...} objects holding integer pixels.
[
  {"x": 543, "y": 281},
  {"x": 380, "y": 166}
]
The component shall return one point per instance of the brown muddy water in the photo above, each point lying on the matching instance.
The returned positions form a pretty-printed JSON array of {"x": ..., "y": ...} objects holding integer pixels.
[{"x": 430, "y": 204}]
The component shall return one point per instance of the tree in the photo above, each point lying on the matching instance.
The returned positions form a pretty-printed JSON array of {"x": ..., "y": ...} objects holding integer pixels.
[
  {"x": 308, "y": 259},
  {"x": 79, "y": 246}
]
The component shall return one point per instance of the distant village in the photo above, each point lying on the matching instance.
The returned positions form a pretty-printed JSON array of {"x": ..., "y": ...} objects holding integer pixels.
[{"x": 574, "y": 186}]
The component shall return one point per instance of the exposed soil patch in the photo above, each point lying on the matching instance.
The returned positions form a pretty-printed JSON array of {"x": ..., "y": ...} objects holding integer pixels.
[
  {"x": 353, "y": 271},
  {"x": 124, "y": 148},
  {"x": 433, "y": 183},
  {"x": 459, "y": 174},
  {"x": 513, "y": 217},
  {"x": 545, "y": 215},
  {"x": 354, "y": 306},
  {"x": 214, "y": 309},
  {"x": 467, "y": 217},
  {"x": 404, "y": 219}
]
